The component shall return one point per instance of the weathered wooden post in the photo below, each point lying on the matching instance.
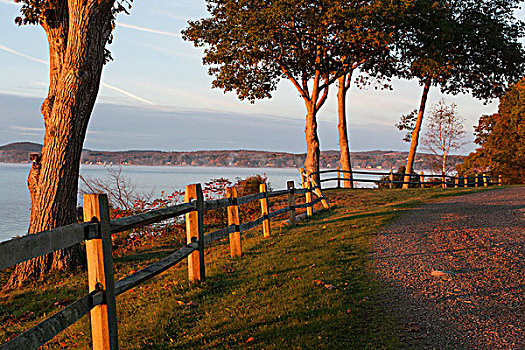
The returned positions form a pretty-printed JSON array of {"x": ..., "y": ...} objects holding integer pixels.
[
  {"x": 339, "y": 177},
  {"x": 465, "y": 180},
  {"x": 391, "y": 177},
  {"x": 100, "y": 274},
  {"x": 500, "y": 180},
  {"x": 264, "y": 210},
  {"x": 422, "y": 180},
  {"x": 303, "y": 179},
  {"x": 476, "y": 180},
  {"x": 456, "y": 181},
  {"x": 291, "y": 202},
  {"x": 308, "y": 178},
  {"x": 485, "y": 180},
  {"x": 233, "y": 219},
  {"x": 310, "y": 207},
  {"x": 195, "y": 231}
]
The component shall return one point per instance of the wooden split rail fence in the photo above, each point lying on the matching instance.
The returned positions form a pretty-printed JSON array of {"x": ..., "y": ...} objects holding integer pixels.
[
  {"x": 96, "y": 232},
  {"x": 443, "y": 180}
]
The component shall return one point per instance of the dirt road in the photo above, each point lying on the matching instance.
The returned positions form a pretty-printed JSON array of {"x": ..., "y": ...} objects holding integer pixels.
[{"x": 456, "y": 272}]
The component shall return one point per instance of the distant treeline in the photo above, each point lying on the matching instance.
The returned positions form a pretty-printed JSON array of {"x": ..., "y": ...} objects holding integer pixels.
[{"x": 18, "y": 153}]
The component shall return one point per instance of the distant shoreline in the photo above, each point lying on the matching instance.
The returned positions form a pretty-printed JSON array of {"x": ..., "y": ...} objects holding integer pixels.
[
  {"x": 381, "y": 160},
  {"x": 187, "y": 166}
]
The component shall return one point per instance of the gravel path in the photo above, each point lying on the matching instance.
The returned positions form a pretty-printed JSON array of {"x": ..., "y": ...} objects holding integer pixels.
[{"x": 456, "y": 271}]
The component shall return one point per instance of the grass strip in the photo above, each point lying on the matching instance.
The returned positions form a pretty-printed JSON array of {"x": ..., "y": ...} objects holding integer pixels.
[{"x": 307, "y": 287}]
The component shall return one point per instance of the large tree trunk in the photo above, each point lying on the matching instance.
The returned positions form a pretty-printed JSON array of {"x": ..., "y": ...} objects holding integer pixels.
[
  {"x": 344, "y": 160},
  {"x": 415, "y": 133},
  {"x": 311, "y": 163},
  {"x": 77, "y": 32}
]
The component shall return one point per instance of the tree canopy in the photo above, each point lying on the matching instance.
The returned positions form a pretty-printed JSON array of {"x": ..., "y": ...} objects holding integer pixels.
[
  {"x": 502, "y": 139},
  {"x": 250, "y": 45},
  {"x": 461, "y": 46}
]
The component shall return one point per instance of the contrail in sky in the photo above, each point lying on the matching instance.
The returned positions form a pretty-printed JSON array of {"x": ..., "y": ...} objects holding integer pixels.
[
  {"x": 149, "y": 30},
  {"x": 129, "y": 94},
  {"x": 130, "y": 26},
  {"x": 5, "y": 48}
]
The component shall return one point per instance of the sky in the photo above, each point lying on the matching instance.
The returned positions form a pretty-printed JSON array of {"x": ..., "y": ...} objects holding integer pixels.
[{"x": 156, "y": 94}]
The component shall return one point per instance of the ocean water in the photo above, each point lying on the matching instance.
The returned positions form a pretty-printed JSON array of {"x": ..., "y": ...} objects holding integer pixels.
[{"x": 15, "y": 203}]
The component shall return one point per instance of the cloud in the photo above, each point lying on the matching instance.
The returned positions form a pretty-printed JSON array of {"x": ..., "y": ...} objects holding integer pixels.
[
  {"x": 8, "y": 2},
  {"x": 23, "y": 128},
  {"x": 129, "y": 94},
  {"x": 149, "y": 30}
]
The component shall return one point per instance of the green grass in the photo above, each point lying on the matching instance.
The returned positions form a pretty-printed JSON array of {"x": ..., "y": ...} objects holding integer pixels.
[{"x": 271, "y": 298}]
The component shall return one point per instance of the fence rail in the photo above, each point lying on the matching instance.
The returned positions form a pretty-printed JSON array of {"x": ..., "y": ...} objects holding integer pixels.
[
  {"x": 100, "y": 302},
  {"x": 395, "y": 178}
]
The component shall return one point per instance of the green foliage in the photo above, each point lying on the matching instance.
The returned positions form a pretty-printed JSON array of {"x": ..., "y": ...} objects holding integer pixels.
[
  {"x": 407, "y": 122},
  {"x": 250, "y": 185},
  {"x": 251, "y": 45},
  {"x": 398, "y": 176},
  {"x": 39, "y": 11},
  {"x": 54, "y": 13},
  {"x": 463, "y": 45},
  {"x": 502, "y": 139}
]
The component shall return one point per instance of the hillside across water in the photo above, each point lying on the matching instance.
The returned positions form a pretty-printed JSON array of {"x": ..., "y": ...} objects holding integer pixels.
[{"x": 18, "y": 153}]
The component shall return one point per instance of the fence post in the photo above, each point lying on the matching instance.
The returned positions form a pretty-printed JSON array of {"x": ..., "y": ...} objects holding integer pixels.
[
  {"x": 308, "y": 178},
  {"x": 465, "y": 180},
  {"x": 291, "y": 202},
  {"x": 194, "y": 231},
  {"x": 308, "y": 195},
  {"x": 233, "y": 219},
  {"x": 100, "y": 274},
  {"x": 422, "y": 180},
  {"x": 485, "y": 180},
  {"x": 500, "y": 181},
  {"x": 303, "y": 181},
  {"x": 320, "y": 194},
  {"x": 391, "y": 176},
  {"x": 456, "y": 181},
  {"x": 476, "y": 180},
  {"x": 264, "y": 210},
  {"x": 339, "y": 177}
]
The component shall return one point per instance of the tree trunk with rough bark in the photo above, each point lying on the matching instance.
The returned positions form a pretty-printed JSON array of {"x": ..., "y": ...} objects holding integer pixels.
[
  {"x": 311, "y": 163},
  {"x": 415, "y": 133},
  {"x": 77, "y": 33},
  {"x": 344, "y": 160}
]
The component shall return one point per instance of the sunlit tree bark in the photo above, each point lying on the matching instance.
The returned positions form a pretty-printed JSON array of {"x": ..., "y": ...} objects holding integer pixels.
[
  {"x": 77, "y": 33},
  {"x": 415, "y": 134},
  {"x": 344, "y": 160}
]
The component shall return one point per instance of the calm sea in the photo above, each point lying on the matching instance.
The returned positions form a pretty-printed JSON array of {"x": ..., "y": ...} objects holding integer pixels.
[{"x": 14, "y": 196}]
